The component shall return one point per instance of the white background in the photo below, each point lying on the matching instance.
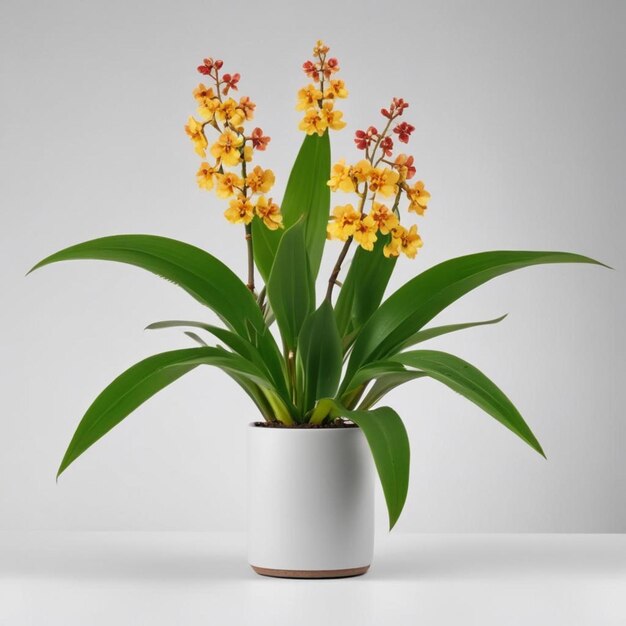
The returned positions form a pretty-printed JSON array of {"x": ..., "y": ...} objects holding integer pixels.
[{"x": 520, "y": 138}]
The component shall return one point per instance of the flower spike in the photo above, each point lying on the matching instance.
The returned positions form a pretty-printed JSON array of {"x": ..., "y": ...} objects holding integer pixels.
[
  {"x": 317, "y": 99},
  {"x": 232, "y": 149},
  {"x": 378, "y": 175}
]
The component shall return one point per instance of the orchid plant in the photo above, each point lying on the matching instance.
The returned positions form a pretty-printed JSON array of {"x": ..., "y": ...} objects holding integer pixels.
[{"x": 330, "y": 361}]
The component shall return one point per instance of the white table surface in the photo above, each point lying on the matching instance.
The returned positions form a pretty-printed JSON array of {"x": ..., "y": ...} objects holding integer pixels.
[{"x": 119, "y": 578}]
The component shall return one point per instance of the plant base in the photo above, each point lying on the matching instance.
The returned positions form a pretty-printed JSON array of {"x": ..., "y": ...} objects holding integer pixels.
[{"x": 301, "y": 573}]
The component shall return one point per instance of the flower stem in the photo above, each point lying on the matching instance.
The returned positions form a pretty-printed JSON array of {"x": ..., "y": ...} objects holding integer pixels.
[
  {"x": 380, "y": 138},
  {"x": 342, "y": 255},
  {"x": 250, "y": 284},
  {"x": 333, "y": 277},
  {"x": 244, "y": 175}
]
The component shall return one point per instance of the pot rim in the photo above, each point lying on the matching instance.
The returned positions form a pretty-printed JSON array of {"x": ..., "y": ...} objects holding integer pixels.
[{"x": 295, "y": 429}]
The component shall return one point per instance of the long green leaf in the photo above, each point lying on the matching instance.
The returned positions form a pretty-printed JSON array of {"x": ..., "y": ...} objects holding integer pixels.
[
  {"x": 372, "y": 371},
  {"x": 274, "y": 362},
  {"x": 202, "y": 275},
  {"x": 256, "y": 394},
  {"x": 232, "y": 340},
  {"x": 352, "y": 395},
  {"x": 471, "y": 383},
  {"x": 319, "y": 356},
  {"x": 364, "y": 287},
  {"x": 266, "y": 360},
  {"x": 140, "y": 382},
  {"x": 264, "y": 244},
  {"x": 196, "y": 338},
  {"x": 388, "y": 441},
  {"x": 308, "y": 195},
  {"x": 386, "y": 383},
  {"x": 422, "y": 298},
  {"x": 291, "y": 290},
  {"x": 436, "y": 331}
]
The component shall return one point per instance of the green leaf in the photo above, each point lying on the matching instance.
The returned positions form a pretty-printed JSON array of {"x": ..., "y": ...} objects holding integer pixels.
[
  {"x": 308, "y": 195},
  {"x": 471, "y": 383},
  {"x": 266, "y": 357},
  {"x": 274, "y": 362},
  {"x": 256, "y": 394},
  {"x": 422, "y": 298},
  {"x": 233, "y": 341},
  {"x": 291, "y": 290},
  {"x": 319, "y": 356},
  {"x": 436, "y": 331},
  {"x": 140, "y": 382},
  {"x": 264, "y": 245},
  {"x": 364, "y": 287},
  {"x": 202, "y": 275},
  {"x": 388, "y": 441},
  {"x": 350, "y": 397},
  {"x": 372, "y": 371},
  {"x": 386, "y": 383},
  {"x": 196, "y": 338}
]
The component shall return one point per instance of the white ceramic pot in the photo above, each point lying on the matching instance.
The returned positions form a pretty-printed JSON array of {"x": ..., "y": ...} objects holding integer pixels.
[{"x": 310, "y": 502}]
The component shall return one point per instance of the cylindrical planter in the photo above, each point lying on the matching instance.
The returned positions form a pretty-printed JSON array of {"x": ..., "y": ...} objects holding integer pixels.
[{"x": 310, "y": 502}]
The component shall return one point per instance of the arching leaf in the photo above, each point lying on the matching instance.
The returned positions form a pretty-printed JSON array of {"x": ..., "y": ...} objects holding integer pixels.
[
  {"x": 471, "y": 383},
  {"x": 141, "y": 381},
  {"x": 417, "y": 302},
  {"x": 206, "y": 278},
  {"x": 388, "y": 441}
]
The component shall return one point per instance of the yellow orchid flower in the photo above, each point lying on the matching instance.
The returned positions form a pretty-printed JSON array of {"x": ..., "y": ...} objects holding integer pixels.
[
  {"x": 269, "y": 212},
  {"x": 228, "y": 185},
  {"x": 365, "y": 233},
  {"x": 418, "y": 197},
  {"x": 411, "y": 241},
  {"x": 307, "y": 97},
  {"x": 341, "y": 177},
  {"x": 207, "y": 100},
  {"x": 230, "y": 112},
  {"x": 332, "y": 116},
  {"x": 205, "y": 97},
  {"x": 393, "y": 247},
  {"x": 384, "y": 181},
  {"x": 313, "y": 122},
  {"x": 403, "y": 240},
  {"x": 208, "y": 111},
  {"x": 336, "y": 89},
  {"x": 203, "y": 94},
  {"x": 205, "y": 176},
  {"x": 226, "y": 148},
  {"x": 361, "y": 170},
  {"x": 405, "y": 167},
  {"x": 246, "y": 106},
  {"x": 345, "y": 220},
  {"x": 260, "y": 180},
  {"x": 239, "y": 211},
  {"x": 384, "y": 218},
  {"x": 195, "y": 130}
]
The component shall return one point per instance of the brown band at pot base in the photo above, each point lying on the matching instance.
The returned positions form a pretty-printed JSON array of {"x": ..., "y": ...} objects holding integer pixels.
[{"x": 303, "y": 573}]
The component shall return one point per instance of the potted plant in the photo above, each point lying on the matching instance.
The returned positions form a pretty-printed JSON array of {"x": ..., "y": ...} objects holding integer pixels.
[{"x": 317, "y": 374}]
